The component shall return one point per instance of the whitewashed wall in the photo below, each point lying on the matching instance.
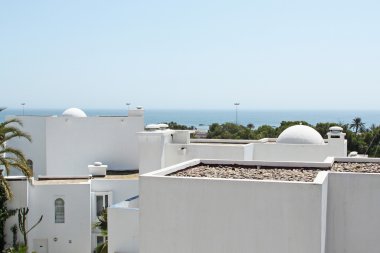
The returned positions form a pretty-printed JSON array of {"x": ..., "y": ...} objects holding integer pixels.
[
  {"x": 110, "y": 140},
  {"x": 353, "y": 223},
  {"x": 123, "y": 229},
  {"x": 219, "y": 215},
  {"x": 35, "y": 150},
  {"x": 293, "y": 152},
  {"x": 121, "y": 189},
  {"x": 177, "y": 153},
  {"x": 77, "y": 226}
]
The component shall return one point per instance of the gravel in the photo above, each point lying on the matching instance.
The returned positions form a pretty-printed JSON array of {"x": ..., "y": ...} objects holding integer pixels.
[
  {"x": 356, "y": 167},
  {"x": 249, "y": 172}
]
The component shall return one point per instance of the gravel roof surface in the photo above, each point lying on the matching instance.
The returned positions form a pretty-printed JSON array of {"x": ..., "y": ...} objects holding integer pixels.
[
  {"x": 356, "y": 167},
  {"x": 249, "y": 172}
]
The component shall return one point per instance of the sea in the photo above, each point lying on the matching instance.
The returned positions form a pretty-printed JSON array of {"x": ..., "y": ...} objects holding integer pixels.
[{"x": 201, "y": 119}]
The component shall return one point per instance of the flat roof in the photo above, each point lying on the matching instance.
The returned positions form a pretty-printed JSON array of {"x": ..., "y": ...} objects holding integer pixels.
[
  {"x": 234, "y": 171},
  {"x": 280, "y": 172},
  {"x": 359, "y": 167}
]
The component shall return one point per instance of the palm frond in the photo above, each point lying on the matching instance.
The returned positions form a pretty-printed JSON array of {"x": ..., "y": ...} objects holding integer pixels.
[{"x": 5, "y": 185}]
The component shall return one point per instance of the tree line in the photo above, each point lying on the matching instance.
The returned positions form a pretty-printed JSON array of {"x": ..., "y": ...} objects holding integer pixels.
[{"x": 364, "y": 140}]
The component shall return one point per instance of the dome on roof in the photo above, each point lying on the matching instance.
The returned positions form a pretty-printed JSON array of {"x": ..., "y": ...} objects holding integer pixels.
[
  {"x": 300, "y": 134},
  {"x": 74, "y": 112}
]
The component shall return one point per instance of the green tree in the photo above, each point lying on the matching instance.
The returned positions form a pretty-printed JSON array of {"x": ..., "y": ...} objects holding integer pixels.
[
  {"x": 323, "y": 128},
  {"x": 176, "y": 126},
  {"x": 357, "y": 124},
  {"x": 251, "y": 126}
]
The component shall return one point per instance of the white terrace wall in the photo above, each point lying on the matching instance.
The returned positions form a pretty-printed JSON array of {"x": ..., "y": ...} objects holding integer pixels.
[
  {"x": 293, "y": 152},
  {"x": 123, "y": 229},
  {"x": 220, "y": 215},
  {"x": 74, "y": 235},
  {"x": 110, "y": 140},
  {"x": 177, "y": 153},
  {"x": 353, "y": 213}
]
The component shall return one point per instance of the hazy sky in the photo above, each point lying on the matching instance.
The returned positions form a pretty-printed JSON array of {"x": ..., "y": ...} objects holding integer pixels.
[{"x": 270, "y": 54}]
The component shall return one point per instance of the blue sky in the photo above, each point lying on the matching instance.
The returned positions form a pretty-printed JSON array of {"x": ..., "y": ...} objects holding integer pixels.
[{"x": 269, "y": 54}]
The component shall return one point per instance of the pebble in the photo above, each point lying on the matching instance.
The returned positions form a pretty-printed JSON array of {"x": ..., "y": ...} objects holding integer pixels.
[{"x": 239, "y": 172}]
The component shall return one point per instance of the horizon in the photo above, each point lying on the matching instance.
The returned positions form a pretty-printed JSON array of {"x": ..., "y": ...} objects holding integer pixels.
[{"x": 195, "y": 109}]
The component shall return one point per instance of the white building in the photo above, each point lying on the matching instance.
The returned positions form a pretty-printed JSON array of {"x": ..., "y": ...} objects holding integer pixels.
[
  {"x": 172, "y": 214},
  {"x": 337, "y": 211},
  {"x": 65, "y": 154}
]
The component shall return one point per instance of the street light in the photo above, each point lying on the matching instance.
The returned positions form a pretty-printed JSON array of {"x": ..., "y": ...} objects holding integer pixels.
[
  {"x": 23, "y": 108},
  {"x": 128, "y": 104},
  {"x": 236, "y": 112},
  {"x": 2, "y": 108}
]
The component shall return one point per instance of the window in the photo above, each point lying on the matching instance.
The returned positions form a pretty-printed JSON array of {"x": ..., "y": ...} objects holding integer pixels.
[
  {"x": 59, "y": 210},
  {"x": 102, "y": 200},
  {"x": 100, "y": 239}
]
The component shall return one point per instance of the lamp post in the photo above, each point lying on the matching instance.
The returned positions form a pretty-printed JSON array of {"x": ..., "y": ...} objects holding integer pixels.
[
  {"x": 23, "y": 108},
  {"x": 128, "y": 104},
  {"x": 236, "y": 112}
]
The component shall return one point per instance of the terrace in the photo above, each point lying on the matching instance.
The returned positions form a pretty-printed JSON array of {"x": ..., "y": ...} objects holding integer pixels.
[{"x": 324, "y": 207}]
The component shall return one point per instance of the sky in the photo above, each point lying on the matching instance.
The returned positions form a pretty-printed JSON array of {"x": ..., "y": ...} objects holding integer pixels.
[{"x": 197, "y": 54}]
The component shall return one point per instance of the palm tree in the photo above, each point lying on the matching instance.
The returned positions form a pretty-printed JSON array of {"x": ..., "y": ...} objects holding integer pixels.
[
  {"x": 11, "y": 157},
  {"x": 251, "y": 126},
  {"x": 357, "y": 124}
]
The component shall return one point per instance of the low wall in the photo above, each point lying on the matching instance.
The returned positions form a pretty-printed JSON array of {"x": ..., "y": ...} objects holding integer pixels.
[
  {"x": 222, "y": 215},
  {"x": 290, "y": 152},
  {"x": 123, "y": 229},
  {"x": 176, "y": 153},
  {"x": 353, "y": 221}
]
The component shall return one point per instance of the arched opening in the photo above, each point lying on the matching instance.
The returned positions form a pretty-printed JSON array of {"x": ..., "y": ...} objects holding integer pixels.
[{"x": 59, "y": 210}]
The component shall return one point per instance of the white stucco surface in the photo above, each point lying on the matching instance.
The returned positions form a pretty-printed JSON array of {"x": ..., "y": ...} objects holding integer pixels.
[
  {"x": 123, "y": 229},
  {"x": 177, "y": 153},
  {"x": 300, "y": 134},
  {"x": 222, "y": 215},
  {"x": 121, "y": 189},
  {"x": 77, "y": 225},
  {"x": 110, "y": 140},
  {"x": 35, "y": 150},
  {"x": 353, "y": 213}
]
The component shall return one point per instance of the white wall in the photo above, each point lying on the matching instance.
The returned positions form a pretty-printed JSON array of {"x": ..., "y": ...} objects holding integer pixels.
[
  {"x": 20, "y": 199},
  {"x": 35, "y": 150},
  {"x": 221, "y": 215},
  {"x": 174, "y": 153},
  {"x": 121, "y": 189},
  {"x": 123, "y": 227},
  {"x": 151, "y": 146},
  {"x": 291, "y": 152},
  {"x": 74, "y": 143},
  {"x": 77, "y": 226},
  {"x": 353, "y": 223}
]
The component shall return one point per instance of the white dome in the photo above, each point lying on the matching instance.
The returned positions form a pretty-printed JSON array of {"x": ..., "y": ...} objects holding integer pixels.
[
  {"x": 300, "y": 134},
  {"x": 74, "y": 112}
]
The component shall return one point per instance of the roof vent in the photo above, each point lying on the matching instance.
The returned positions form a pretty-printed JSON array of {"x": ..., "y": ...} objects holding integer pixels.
[{"x": 97, "y": 169}]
